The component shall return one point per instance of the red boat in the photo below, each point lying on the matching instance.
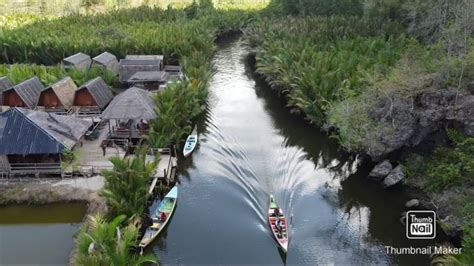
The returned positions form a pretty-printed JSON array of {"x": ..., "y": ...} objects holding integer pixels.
[{"x": 278, "y": 224}]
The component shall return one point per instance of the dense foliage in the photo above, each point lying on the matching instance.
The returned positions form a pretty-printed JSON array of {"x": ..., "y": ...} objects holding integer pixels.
[
  {"x": 446, "y": 166},
  {"x": 102, "y": 242},
  {"x": 48, "y": 75},
  {"x": 126, "y": 187},
  {"x": 320, "y": 61}
]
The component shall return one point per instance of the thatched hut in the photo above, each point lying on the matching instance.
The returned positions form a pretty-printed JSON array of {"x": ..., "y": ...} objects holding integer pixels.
[
  {"x": 59, "y": 96},
  {"x": 93, "y": 94},
  {"x": 106, "y": 60},
  {"x": 80, "y": 61},
  {"x": 130, "y": 110},
  {"x": 25, "y": 94}
]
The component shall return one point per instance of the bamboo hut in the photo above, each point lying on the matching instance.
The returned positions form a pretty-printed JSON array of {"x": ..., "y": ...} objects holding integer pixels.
[
  {"x": 59, "y": 96},
  {"x": 25, "y": 94},
  {"x": 5, "y": 83},
  {"x": 80, "y": 61},
  {"x": 94, "y": 94},
  {"x": 32, "y": 142},
  {"x": 149, "y": 80},
  {"x": 106, "y": 60},
  {"x": 136, "y": 63},
  {"x": 130, "y": 112}
]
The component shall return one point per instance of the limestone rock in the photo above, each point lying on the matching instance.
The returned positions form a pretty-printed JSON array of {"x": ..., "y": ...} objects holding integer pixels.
[
  {"x": 381, "y": 170},
  {"x": 395, "y": 177}
]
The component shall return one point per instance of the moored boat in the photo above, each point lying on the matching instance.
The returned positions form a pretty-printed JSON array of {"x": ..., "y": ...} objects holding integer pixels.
[
  {"x": 278, "y": 224},
  {"x": 160, "y": 217},
  {"x": 191, "y": 143}
]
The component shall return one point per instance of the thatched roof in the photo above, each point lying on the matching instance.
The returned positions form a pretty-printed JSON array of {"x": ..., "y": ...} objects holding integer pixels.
[
  {"x": 5, "y": 83},
  {"x": 149, "y": 76},
  {"x": 107, "y": 60},
  {"x": 134, "y": 103},
  {"x": 65, "y": 90},
  {"x": 29, "y": 91},
  {"x": 79, "y": 60},
  {"x": 25, "y": 132},
  {"x": 99, "y": 90}
]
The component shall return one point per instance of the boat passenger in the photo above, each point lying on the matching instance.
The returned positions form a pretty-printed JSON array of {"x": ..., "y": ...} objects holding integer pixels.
[
  {"x": 163, "y": 216},
  {"x": 279, "y": 226},
  {"x": 276, "y": 212}
]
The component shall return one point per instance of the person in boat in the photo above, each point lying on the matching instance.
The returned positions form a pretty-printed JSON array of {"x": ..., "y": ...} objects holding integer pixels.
[
  {"x": 163, "y": 216},
  {"x": 276, "y": 212},
  {"x": 279, "y": 226}
]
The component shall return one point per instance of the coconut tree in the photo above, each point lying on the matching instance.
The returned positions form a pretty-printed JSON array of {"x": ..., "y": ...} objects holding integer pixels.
[
  {"x": 109, "y": 243},
  {"x": 126, "y": 186}
]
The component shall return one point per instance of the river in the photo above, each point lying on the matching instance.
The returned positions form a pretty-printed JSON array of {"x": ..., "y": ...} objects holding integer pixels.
[
  {"x": 250, "y": 145},
  {"x": 39, "y": 235}
]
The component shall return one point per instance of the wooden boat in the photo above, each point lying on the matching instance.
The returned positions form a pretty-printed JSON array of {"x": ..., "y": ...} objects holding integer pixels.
[
  {"x": 167, "y": 207},
  {"x": 191, "y": 142},
  {"x": 276, "y": 214}
]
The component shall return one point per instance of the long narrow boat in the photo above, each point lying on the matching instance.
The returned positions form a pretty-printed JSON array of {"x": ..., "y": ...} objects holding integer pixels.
[
  {"x": 275, "y": 214},
  {"x": 191, "y": 142},
  {"x": 167, "y": 206}
]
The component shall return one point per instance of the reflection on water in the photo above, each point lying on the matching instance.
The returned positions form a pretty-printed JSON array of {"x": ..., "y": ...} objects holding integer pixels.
[
  {"x": 38, "y": 235},
  {"x": 250, "y": 145}
]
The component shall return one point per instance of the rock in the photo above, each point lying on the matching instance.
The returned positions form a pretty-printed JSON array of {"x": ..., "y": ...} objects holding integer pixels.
[
  {"x": 395, "y": 177},
  {"x": 381, "y": 170},
  {"x": 427, "y": 205},
  {"x": 412, "y": 203},
  {"x": 295, "y": 111}
]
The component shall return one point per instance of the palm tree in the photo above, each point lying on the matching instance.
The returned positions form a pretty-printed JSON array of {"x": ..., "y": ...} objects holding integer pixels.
[
  {"x": 126, "y": 187},
  {"x": 106, "y": 243}
]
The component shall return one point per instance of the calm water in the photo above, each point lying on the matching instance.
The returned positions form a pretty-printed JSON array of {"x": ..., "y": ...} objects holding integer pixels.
[
  {"x": 40, "y": 234},
  {"x": 249, "y": 146}
]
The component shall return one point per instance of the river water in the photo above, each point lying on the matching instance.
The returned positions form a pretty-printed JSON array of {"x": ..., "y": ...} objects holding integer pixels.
[
  {"x": 39, "y": 235},
  {"x": 250, "y": 145}
]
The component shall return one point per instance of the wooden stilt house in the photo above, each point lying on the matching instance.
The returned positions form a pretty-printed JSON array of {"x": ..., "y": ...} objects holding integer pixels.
[
  {"x": 25, "y": 94},
  {"x": 93, "y": 95},
  {"x": 58, "y": 97},
  {"x": 33, "y": 142}
]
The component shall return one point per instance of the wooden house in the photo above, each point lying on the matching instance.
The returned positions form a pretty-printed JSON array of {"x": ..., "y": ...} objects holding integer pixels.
[
  {"x": 136, "y": 63},
  {"x": 33, "y": 142},
  {"x": 25, "y": 94},
  {"x": 94, "y": 94},
  {"x": 148, "y": 80},
  {"x": 80, "y": 61},
  {"x": 106, "y": 60},
  {"x": 59, "y": 96},
  {"x": 5, "y": 83}
]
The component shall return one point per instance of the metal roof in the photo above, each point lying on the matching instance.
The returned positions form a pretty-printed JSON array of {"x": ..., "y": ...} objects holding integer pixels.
[
  {"x": 27, "y": 132},
  {"x": 145, "y": 57},
  {"x": 5, "y": 83},
  {"x": 76, "y": 59},
  {"x": 134, "y": 103},
  {"x": 29, "y": 91},
  {"x": 99, "y": 90},
  {"x": 139, "y": 62},
  {"x": 149, "y": 76},
  {"x": 105, "y": 58}
]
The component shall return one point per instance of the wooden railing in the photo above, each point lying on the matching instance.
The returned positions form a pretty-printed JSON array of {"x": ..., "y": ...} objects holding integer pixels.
[{"x": 35, "y": 168}]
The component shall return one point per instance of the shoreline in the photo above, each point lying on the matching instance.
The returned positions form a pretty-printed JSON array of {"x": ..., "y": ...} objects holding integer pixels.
[{"x": 31, "y": 191}]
